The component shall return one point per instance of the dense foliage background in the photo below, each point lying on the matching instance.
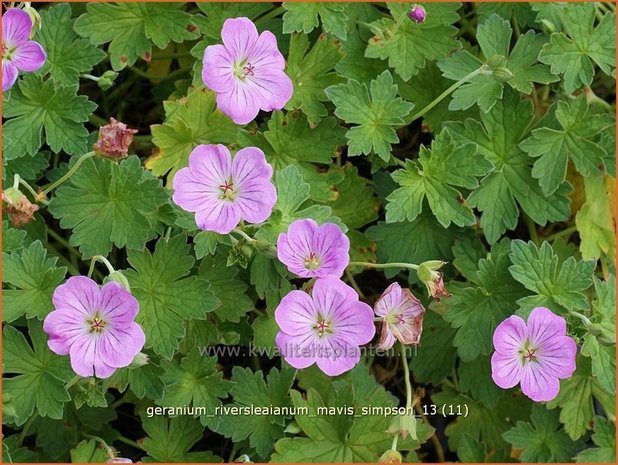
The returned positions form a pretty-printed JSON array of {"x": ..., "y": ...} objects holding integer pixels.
[{"x": 510, "y": 179}]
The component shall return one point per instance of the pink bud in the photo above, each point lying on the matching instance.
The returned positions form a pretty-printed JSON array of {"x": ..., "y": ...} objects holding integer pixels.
[{"x": 417, "y": 14}]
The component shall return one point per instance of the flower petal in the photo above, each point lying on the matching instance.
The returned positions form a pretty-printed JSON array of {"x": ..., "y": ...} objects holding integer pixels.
[
  {"x": 256, "y": 200},
  {"x": 538, "y": 384},
  {"x": 239, "y": 104},
  {"x": 16, "y": 27},
  {"x": 190, "y": 193},
  {"x": 64, "y": 326},
  {"x": 239, "y": 37},
  {"x": 330, "y": 294},
  {"x": 271, "y": 89},
  {"x": 387, "y": 339},
  {"x": 118, "y": 306},
  {"x": 266, "y": 54},
  {"x": 218, "y": 69},
  {"x": 296, "y": 313},
  {"x": 29, "y": 56},
  {"x": 505, "y": 370},
  {"x": 337, "y": 357},
  {"x": 558, "y": 358},
  {"x": 295, "y": 246},
  {"x": 298, "y": 351},
  {"x": 544, "y": 325},
  {"x": 211, "y": 164},
  {"x": 86, "y": 361},
  {"x": 79, "y": 294},
  {"x": 510, "y": 335},
  {"x": 221, "y": 216},
  {"x": 250, "y": 164},
  {"x": 332, "y": 246},
  {"x": 353, "y": 323},
  {"x": 119, "y": 345},
  {"x": 9, "y": 75}
]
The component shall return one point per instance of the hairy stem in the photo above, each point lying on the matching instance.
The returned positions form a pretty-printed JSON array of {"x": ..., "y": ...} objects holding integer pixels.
[
  {"x": 410, "y": 266},
  {"x": 68, "y": 174}
]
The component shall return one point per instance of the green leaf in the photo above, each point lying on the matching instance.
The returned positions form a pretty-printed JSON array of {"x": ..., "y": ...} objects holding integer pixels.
[
  {"x": 603, "y": 360},
  {"x": 604, "y": 437},
  {"x": 231, "y": 291},
  {"x": 498, "y": 136},
  {"x": 311, "y": 72},
  {"x": 431, "y": 242},
  {"x": 435, "y": 176},
  {"x": 376, "y": 110},
  {"x": 542, "y": 440},
  {"x": 168, "y": 297},
  {"x": 436, "y": 356},
  {"x": 339, "y": 437},
  {"x": 189, "y": 121},
  {"x": 595, "y": 220},
  {"x": 476, "y": 311},
  {"x": 572, "y": 140},
  {"x": 12, "y": 240},
  {"x": 305, "y": 17},
  {"x": 170, "y": 439},
  {"x": 250, "y": 389},
  {"x": 540, "y": 271},
  {"x": 132, "y": 28},
  {"x": 88, "y": 451},
  {"x": 574, "y": 53},
  {"x": 34, "y": 277},
  {"x": 36, "y": 107},
  {"x": 475, "y": 379},
  {"x": 292, "y": 196},
  {"x": 409, "y": 45},
  {"x": 67, "y": 55},
  {"x": 494, "y": 37},
  {"x": 356, "y": 204},
  {"x": 145, "y": 381},
  {"x": 40, "y": 376},
  {"x": 107, "y": 204},
  {"x": 605, "y": 307},
  {"x": 194, "y": 382}
]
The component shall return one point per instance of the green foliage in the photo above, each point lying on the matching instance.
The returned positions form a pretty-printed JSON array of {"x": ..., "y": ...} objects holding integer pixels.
[
  {"x": 604, "y": 438},
  {"x": 305, "y": 17},
  {"x": 376, "y": 110},
  {"x": 132, "y": 28},
  {"x": 44, "y": 108},
  {"x": 109, "y": 204}
]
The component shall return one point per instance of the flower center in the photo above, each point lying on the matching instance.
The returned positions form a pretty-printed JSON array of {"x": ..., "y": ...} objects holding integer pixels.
[
  {"x": 528, "y": 353},
  {"x": 227, "y": 190},
  {"x": 243, "y": 69},
  {"x": 97, "y": 324},
  {"x": 7, "y": 52},
  {"x": 322, "y": 326},
  {"x": 312, "y": 262}
]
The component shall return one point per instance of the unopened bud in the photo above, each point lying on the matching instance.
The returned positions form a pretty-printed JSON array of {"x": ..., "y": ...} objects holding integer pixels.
[
  {"x": 430, "y": 276},
  {"x": 107, "y": 79},
  {"x": 391, "y": 456},
  {"x": 139, "y": 360},
  {"x": 417, "y": 14},
  {"x": 404, "y": 425},
  {"x": 34, "y": 16},
  {"x": 119, "y": 278}
]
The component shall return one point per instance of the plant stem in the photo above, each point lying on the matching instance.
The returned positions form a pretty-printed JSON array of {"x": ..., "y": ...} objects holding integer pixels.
[
  {"x": 565, "y": 232},
  {"x": 354, "y": 284},
  {"x": 446, "y": 93},
  {"x": 72, "y": 381},
  {"x": 244, "y": 235},
  {"x": 164, "y": 77},
  {"x": 410, "y": 266},
  {"x": 67, "y": 175},
  {"x": 532, "y": 230},
  {"x": 406, "y": 374},
  {"x": 108, "y": 450},
  {"x": 271, "y": 14},
  {"x": 584, "y": 318},
  {"x": 129, "y": 442},
  {"x": 101, "y": 259}
]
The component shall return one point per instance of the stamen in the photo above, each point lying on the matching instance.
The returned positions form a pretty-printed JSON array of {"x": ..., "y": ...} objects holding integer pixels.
[
  {"x": 227, "y": 190},
  {"x": 97, "y": 324},
  {"x": 312, "y": 261},
  {"x": 248, "y": 70},
  {"x": 322, "y": 327}
]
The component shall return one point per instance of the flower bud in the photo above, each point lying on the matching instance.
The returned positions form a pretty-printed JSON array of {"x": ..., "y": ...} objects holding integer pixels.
[
  {"x": 139, "y": 360},
  {"x": 430, "y": 276},
  {"x": 391, "y": 456},
  {"x": 17, "y": 206},
  {"x": 119, "y": 278},
  {"x": 502, "y": 74},
  {"x": 404, "y": 425},
  {"x": 244, "y": 458},
  {"x": 114, "y": 140},
  {"x": 417, "y": 14},
  {"x": 34, "y": 16},
  {"x": 107, "y": 79}
]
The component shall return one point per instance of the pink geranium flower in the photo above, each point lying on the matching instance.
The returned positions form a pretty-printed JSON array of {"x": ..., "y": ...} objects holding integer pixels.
[
  {"x": 221, "y": 191},
  {"x": 536, "y": 355},
  {"x": 246, "y": 71},
  {"x": 326, "y": 327},
  {"x": 19, "y": 53},
  {"x": 402, "y": 317},
  {"x": 312, "y": 251},
  {"x": 94, "y": 326}
]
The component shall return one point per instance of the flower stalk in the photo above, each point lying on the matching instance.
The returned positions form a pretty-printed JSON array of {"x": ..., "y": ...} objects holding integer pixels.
[{"x": 43, "y": 194}]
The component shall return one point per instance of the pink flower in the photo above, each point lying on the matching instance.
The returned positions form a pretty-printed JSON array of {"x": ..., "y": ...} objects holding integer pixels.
[
  {"x": 221, "y": 191},
  {"x": 536, "y": 355},
  {"x": 312, "y": 251},
  {"x": 326, "y": 327},
  {"x": 94, "y": 326},
  {"x": 417, "y": 14},
  {"x": 246, "y": 71},
  {"x": 114, "y": 140},
  {"x": 402, "y": 316},
  {"x": 19, "y": 53}
]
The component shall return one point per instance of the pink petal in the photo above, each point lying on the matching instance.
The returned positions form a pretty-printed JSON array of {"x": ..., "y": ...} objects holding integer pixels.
[
  {"x": 220, "y": 216},
  {"x": 506, "y": 370},
  {"x": 9, "y": 75},
  {"x": 86, "y": 361},
  {"x": 537, "y": 384},
  {"x": 332, "y": 246},
  {"x": 256, "y": 200},
  {"x": 330, "y": 294},
  {"x": 64, "y": 326},
  {"x": 16, "y": 27},
  {"x": 218, "y": 69},
  {"x": 190, "y": 194},
  {"x": 249, "y": 164},
  {"x": 339, "y": 357},
  {"x": 353, "y": 323},
  {"x": 296, "y": 313},
  {"x": 510, "y": 335},
  {"x": 29, "y": 56},
  {"x": 298, "y": 351},
  {"x": 239, "y": 37},
  {"x": 544, "y": 325},
  {"x": 265, "y": 53},
  {"x": 271, "y": 89},
  {"x": 239, "y": 104},
  {"x": 119, "y": 345},
  {"x": 211, "y": 164},
  {"x": 78, "y": 294},
  {"x": 558, "y": 358},
  {"x": 295, "y": 246},
  {"x": 118, "y": 306},
  {"x": 387, "y": 339}
]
